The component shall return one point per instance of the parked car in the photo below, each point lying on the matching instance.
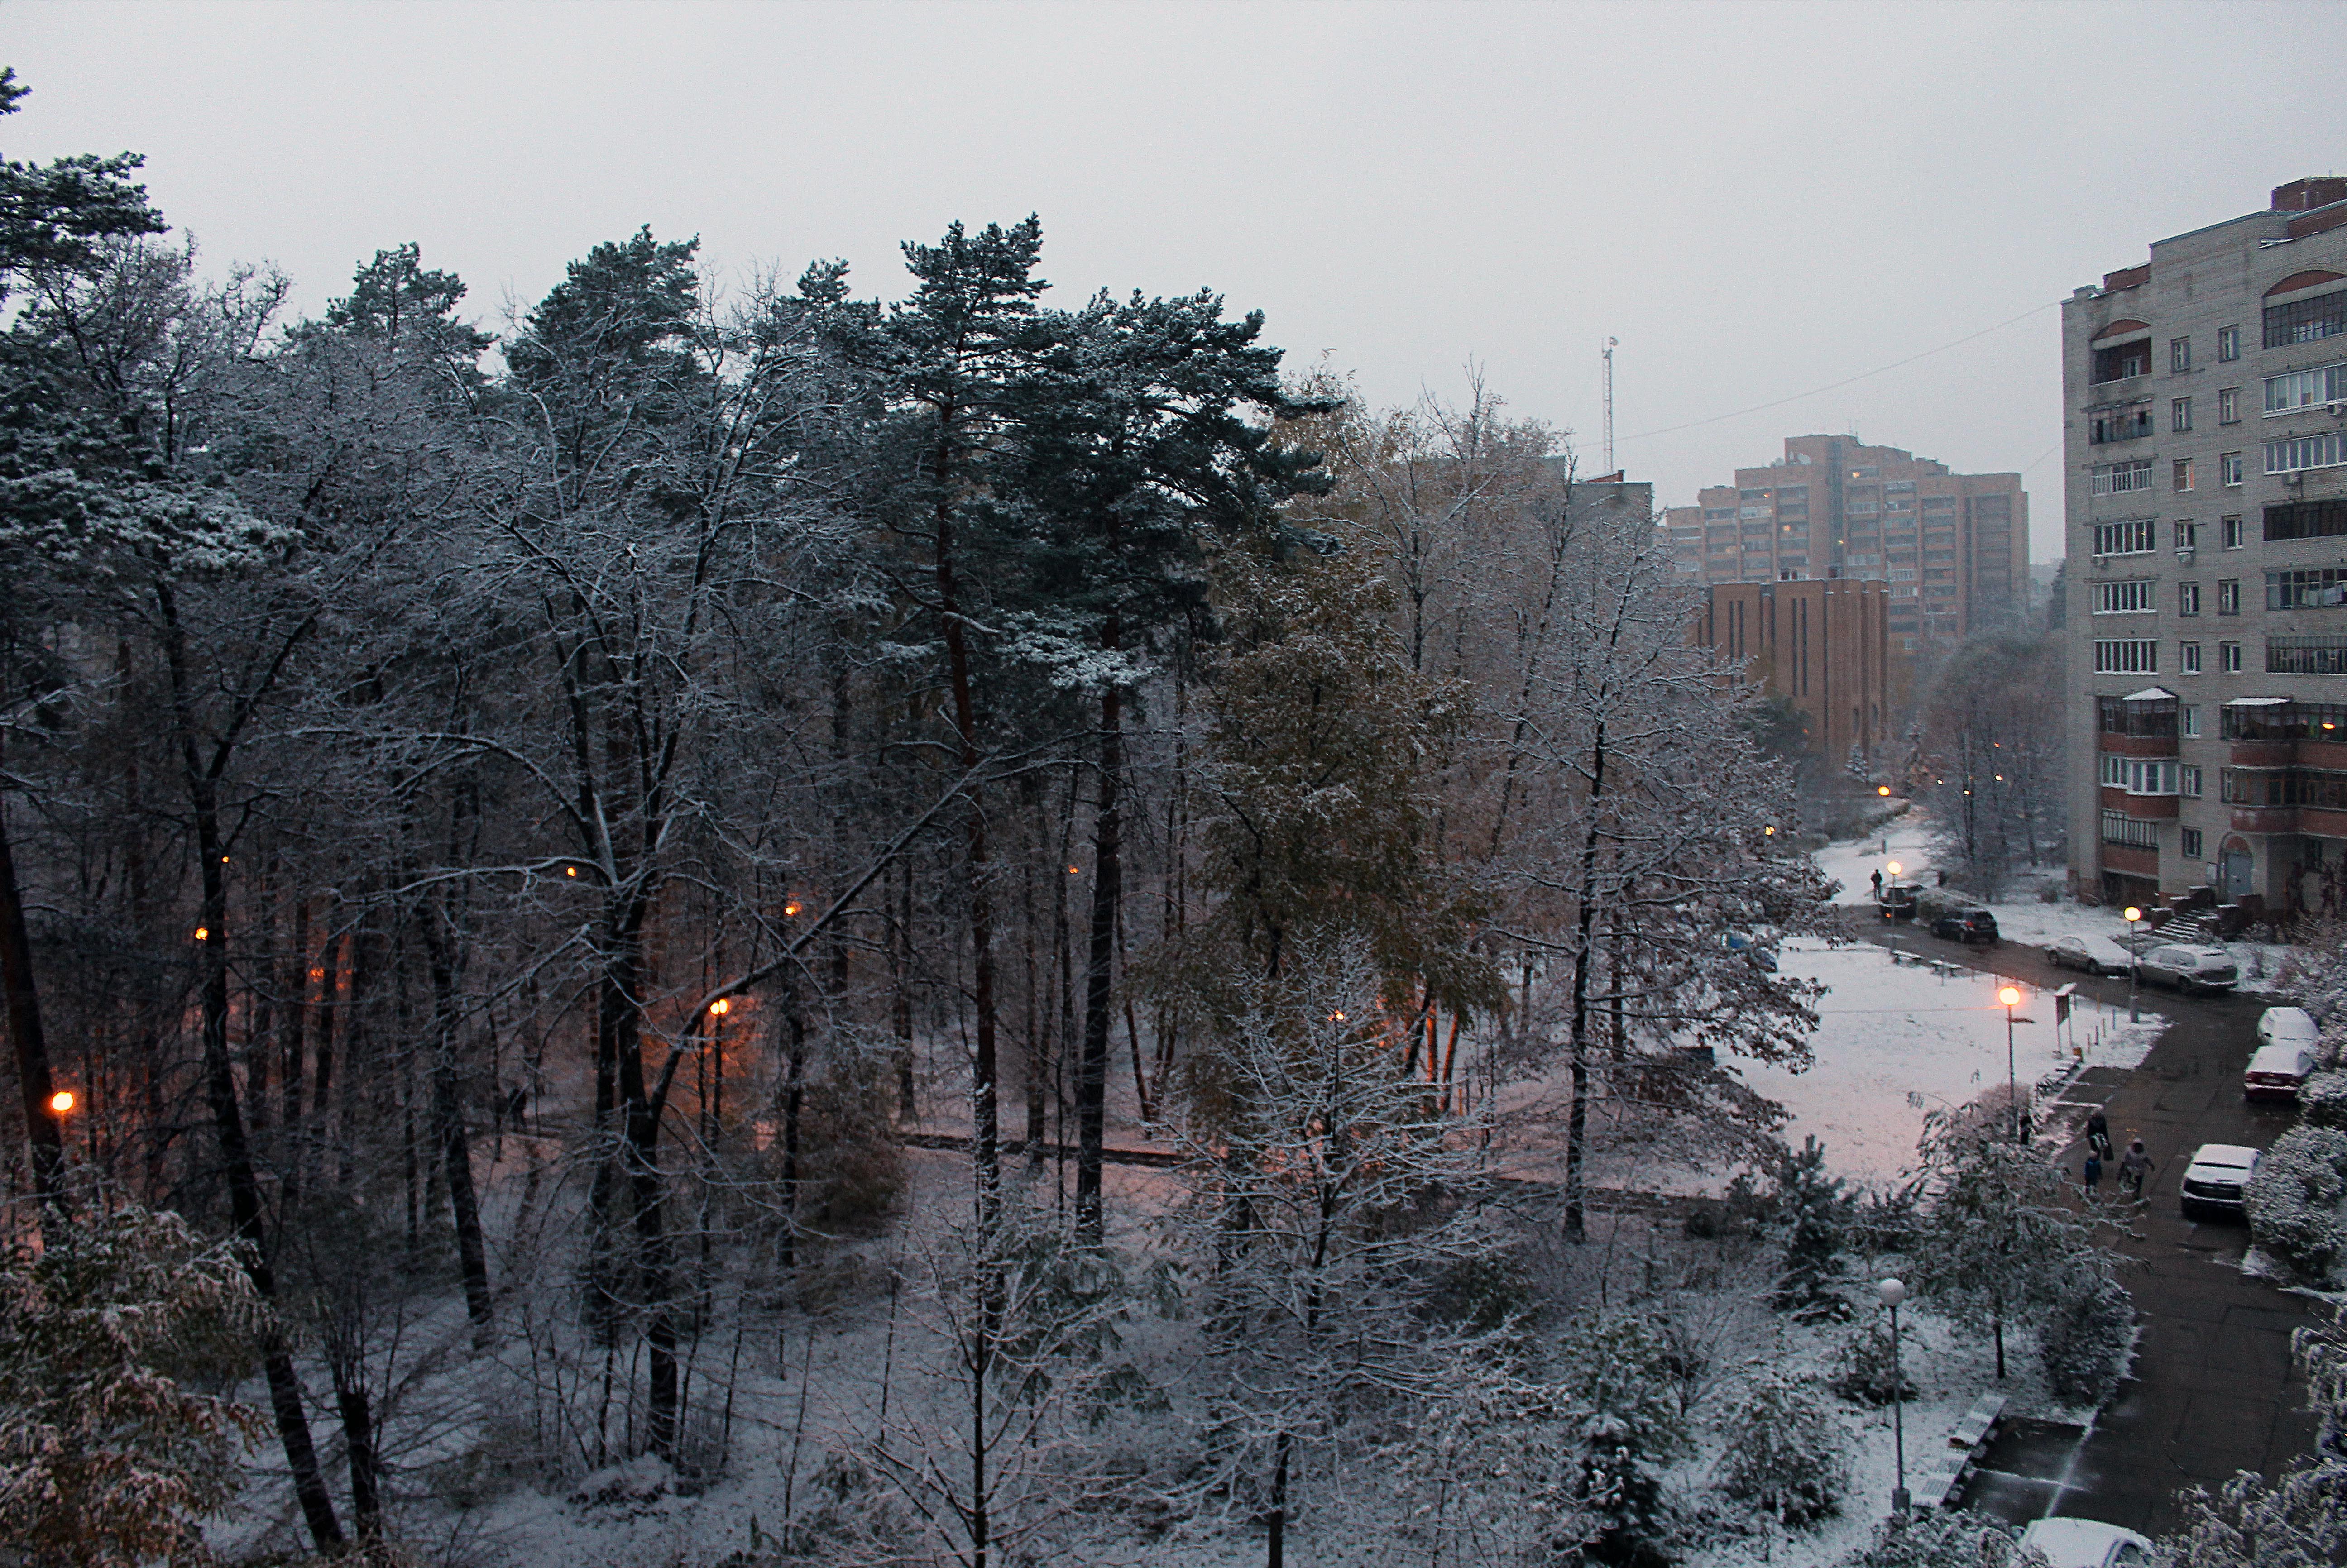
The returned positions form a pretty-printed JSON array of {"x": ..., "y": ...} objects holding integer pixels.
[
  {"x": 1966, "y": 925},
  {"x": 1758, "y": 957},
  {"x": 2189, "y": 966},
  {"x": 2276, "y": 1071},
  {"x": 2215, "y": 1180},
  {"x": 1896, "y": 898},
  {"x": 2085, "y": 1544},
  {"x": 2292, "y": 1025},
  {"x": 2095, "y": 955}
]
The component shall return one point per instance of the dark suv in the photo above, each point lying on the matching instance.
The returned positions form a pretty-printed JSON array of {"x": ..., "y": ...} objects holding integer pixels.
[{"x": 1966, "y": 925}]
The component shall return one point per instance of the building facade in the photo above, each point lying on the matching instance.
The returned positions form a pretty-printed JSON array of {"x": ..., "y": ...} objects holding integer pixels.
[
  {"x": 1823, "y": 646},
  {"x": 1954, "y": 548},
  {"x": 2205, "y": 413}
]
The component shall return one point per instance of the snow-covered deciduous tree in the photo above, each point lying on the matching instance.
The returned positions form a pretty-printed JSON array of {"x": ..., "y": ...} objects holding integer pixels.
[
  {"x": 1326, "y": 1203},
  {"x": 1992, "y": 757},
  {"x": 110, "y": 1456},
  {"x": 2293, "y": 1201}
]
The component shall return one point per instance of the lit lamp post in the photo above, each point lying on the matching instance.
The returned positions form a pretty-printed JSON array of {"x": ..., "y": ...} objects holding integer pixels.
[
  {"x": 2010, "y": 997},
  {"x": 2135, "y": 962},
  {"x": 1893, "y": 1292}
]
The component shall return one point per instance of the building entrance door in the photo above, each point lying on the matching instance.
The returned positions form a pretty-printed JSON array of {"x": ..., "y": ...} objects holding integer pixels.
[{"x": 2236, "y": 874}]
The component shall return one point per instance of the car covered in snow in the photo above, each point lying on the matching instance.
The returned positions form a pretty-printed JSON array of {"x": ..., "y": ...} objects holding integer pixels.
[
  {"x": 2189, "y": 966},
  {"x": 2286, "y": 1026},
  {"x": 2276, "y": 1071},
  {"x": 2094, "y": 954},
  {"x": 2084, "y": 1543},
  {"x": 1967, "y": 926},
  {"x": 2217, "y": 1178}
]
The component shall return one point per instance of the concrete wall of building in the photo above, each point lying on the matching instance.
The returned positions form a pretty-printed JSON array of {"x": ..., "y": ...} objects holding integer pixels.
[{"x": 2172, "y": 578}]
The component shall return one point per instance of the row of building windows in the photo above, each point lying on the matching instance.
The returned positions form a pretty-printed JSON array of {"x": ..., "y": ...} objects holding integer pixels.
[
  {"x": 2284, "y": 656},
  {"x": 2309, "y": 588},
  {"x": 2298, "y": 322},
  {"x": 2325, "y": 519}
]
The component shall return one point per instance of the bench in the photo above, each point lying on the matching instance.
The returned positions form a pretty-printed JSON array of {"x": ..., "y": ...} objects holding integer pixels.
[
  {"x": 1943, "y": 968},
  {"x": 1936, "y": 1486},
  {"x": 1972, "y": 1432}
]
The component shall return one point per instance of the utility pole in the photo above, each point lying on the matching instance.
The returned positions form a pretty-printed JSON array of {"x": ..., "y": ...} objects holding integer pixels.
[{"x": 1607, "y": 354}]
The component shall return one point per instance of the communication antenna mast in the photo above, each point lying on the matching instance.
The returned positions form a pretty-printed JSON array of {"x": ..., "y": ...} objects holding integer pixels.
[{"x": 1607, "y": 353}]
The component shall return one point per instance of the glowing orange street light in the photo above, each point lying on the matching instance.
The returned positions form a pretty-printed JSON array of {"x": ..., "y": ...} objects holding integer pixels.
[
  {"x": 1882, "y": 789},
  {"x": 1075, "y": 870},
  {"x": 570, "y": 871},
  {"x": 720, "y": 1006},
  {"x": 1893, "y": 867},
  {"x": 62, "y": 1102},
  {"x": 203, "y": 934},
  {"x": 2010, "y": 997},
  {"x": 792, "y": 909}
]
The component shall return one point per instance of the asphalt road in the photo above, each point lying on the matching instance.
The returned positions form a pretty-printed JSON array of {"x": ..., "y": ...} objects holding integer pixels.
[{"x": 2214, "y": 1389}]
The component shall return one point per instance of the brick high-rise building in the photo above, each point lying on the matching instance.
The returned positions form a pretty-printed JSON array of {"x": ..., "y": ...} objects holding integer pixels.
[
  {"x": 2204, "y": 417},
  {"x": 1822, "y": 646},
  {"x": 1954, "y": 548}
]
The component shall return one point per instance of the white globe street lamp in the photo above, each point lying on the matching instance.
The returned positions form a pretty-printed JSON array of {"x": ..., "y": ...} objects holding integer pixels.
[{"x": 1893, "y": 1292}]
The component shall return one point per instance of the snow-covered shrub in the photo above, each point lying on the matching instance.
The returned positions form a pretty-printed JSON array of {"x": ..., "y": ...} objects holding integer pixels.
[
  {"x": 1862, "y": 1367},
  {"x": 106, "y": 1454},
  {"x": 1933, "y": 1539},
  {"x": 1813, "y": 1210},
  {"x": 2085, "y": 1340},
  {"x": 1615, "y": 1378},
  {"x": 2322, "y": 1101},
  {"x": 1785, "y": 1455},
  {"x": 1481, "y": 1294},
  {"x": 2293, "y": 1200}
]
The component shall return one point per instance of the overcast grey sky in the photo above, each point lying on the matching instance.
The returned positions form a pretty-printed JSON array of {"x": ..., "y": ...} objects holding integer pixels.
[{"x": 1757, "y": 199}]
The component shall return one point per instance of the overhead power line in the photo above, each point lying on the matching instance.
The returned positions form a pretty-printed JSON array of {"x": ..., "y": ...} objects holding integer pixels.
[{"x": 1852, "y": 381}]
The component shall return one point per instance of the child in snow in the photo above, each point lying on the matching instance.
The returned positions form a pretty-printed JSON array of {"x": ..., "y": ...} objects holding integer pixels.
[{"x": 2094, "y": 1173}]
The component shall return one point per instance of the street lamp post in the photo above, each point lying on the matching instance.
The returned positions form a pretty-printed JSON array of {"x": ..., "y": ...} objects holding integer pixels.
[
  {"x": 2135, "y": 963},
  {"x": 2010, "y": 997},
  {"x": 1893, "y": 1292}
]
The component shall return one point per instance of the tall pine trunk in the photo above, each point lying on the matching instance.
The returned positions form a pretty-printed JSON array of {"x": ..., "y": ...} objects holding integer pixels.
[{"x": 1092, "y": 1077}]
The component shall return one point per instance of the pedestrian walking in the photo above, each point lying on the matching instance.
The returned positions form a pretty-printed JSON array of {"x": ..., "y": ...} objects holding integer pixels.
[
  {"x": 2094, "y": 1173},
  {"x": 1878, "y": 887},
  {"x": 2098, "y": 1135},
  {"x": 2134, "y": 1166}
]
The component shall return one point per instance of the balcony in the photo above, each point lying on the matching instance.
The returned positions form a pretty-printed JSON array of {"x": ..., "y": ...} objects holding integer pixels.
[
  {"x": 2140, "y": 808},
  {"x": 2265, "y": 819},
  {"x": 2130, "y": 861},
  {"x": 2139, "y": 745}
]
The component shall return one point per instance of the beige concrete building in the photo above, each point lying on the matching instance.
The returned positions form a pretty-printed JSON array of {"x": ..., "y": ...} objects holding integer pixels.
[
  {"x": 2205, "y": 413},
  {"x": 1953, "y": 547}
]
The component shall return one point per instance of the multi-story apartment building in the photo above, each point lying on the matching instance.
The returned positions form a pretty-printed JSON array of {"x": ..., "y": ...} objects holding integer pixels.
[
  {"x": 1823, "y": 646},
  {"x": 2205, "y": 409},
  {"x": 1954, "y": 548}
]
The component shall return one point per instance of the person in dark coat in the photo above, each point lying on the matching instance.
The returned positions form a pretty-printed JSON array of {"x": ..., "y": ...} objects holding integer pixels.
[{"x": 2098, "y": 1134}]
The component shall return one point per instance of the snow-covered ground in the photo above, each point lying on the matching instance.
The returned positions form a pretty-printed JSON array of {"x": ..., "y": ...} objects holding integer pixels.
[{"x": 1896, "y": 1041}]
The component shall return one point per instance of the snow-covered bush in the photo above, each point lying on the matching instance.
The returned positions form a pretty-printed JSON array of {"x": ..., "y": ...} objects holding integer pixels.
[
  {"x": 1813, "y": 1212},
  {"x": 2085, "y": 1341},
  {"x": 1616, "y": 1375},
  {"x": 1932, "y": 1539},
  {"x": 1785, "y": 1455},
  {"x": 2293, "y": 1201},
  {"x": 2322, "y": 1100},
  {"x": 106, "y": 1456},
  {"x": 1862, "y": 1370}
]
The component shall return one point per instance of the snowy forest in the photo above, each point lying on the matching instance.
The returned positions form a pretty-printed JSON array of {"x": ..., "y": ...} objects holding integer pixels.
[{"x": 809, "y": 918}]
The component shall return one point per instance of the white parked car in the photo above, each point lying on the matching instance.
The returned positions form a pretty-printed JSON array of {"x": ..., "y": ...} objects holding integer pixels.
[
  {"x": 2085, "y": 1544},
  {"x": 2189, "y": 966},
  {"x": 2217, "y": 1178},
  {"x": 2095, "y": 955},
  {"x": 2277, "y": 1069},
  {"x": 2292, "y": 1025}
]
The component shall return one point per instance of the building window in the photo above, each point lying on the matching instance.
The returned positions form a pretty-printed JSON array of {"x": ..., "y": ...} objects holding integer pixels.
[
  {"x": 2187, "y": 533},
  {"x": 2114, "y": 770},
  {"x": 2229, "y": 658},
  {"x": 2127, "y": 656},
  {"x": 2187, "y": 598},
  {"x": 2228, "y": 406},
  {"x": 2188, "y": 658},
  {"x": 2306, "y": 519},
  {"x": 2124, "y": 598},
  {"x": 2228, "y": 468},
  {"x": 2119, "y": 422},
  {"x": 2306, "y": 389},
  {"x": 2230, "y": 532},
  {"x": 2188, "y": 723},
  {"x": 2179, "y": 355},
  {"x": 2121, "y": 828},
  {"x": 2304, "y": 321},
  {"x": 2182, "y": 471},
  {"x": 2129, "y": 538},
  {"x": 2179, "y": 414},
  {"x": 2306, "y": 655},
  {"x": 2295, "y": 454},
  {"x": 2191, "y": 837},
  {"x": 2126, "y": 359},
  {"x": 2229, "y": 596},
  {"x": 2314, "y": 587},
  {"x": 2229, "y": 343},
  {"x": 2118, "y": 479}
]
